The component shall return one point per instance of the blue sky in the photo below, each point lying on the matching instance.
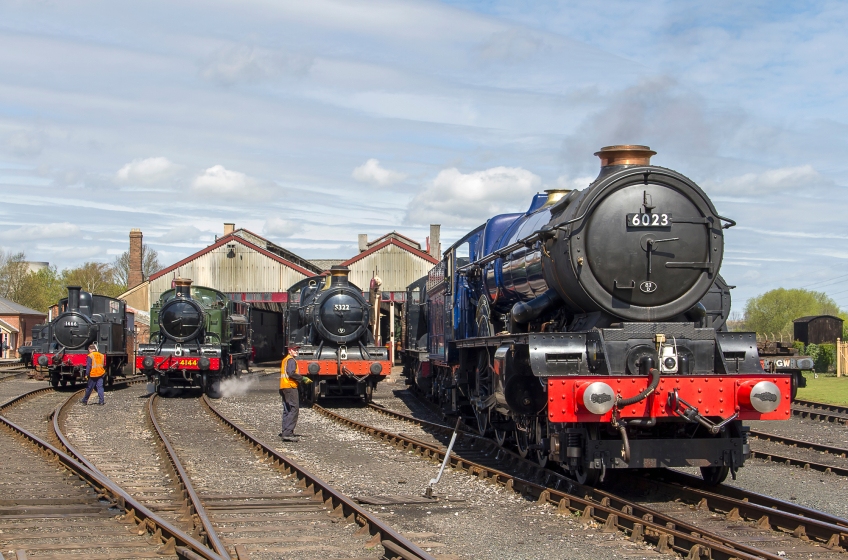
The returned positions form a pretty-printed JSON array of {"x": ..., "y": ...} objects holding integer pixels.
[{"x": 311, "y": 122}]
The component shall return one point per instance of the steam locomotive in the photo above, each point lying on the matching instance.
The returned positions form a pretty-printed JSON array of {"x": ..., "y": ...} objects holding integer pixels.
[
  {"x": 328, "y": 320},
  {"x": 198, "y": 336},
  {"x": 83, "y": 319},
  {"x": 590, "y": 330}
]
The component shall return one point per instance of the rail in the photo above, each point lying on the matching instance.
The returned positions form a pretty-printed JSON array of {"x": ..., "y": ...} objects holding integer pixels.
[
  {"x": 395, "y": 544},
  {"x": 640, "y": 522},
  {"x": 194, "y": 503},
  {"x": 173, "y": 539},
  {"x": 736, "y": 503}
]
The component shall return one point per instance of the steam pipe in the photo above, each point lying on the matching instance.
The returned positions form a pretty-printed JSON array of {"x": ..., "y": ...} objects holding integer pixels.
[{"x": 526, "y": 311}]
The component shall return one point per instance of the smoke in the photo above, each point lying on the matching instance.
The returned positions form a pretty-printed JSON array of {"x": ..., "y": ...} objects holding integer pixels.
[{"x": 236, "y": 387}]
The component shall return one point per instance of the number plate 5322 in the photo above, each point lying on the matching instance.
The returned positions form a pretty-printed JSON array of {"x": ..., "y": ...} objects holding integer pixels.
[{"x": 649, "y": 220}]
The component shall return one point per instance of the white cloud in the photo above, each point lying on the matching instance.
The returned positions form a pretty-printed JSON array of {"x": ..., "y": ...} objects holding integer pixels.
[
  {"x": 219, "y": 181},
  {"x": 371, "y": 172},
  {"x": 150, "y": 170},
  {"x": 470, "y": 198},
  {"x": 768, "y": 182},
  {"x": 280, "y": 227},
  {"x": 45, "y": 231},
  {"x": 181, "y": 234}
]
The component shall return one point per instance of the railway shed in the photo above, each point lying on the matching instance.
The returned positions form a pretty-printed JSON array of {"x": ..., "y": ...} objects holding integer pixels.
[{"x": 818, "y": 329}]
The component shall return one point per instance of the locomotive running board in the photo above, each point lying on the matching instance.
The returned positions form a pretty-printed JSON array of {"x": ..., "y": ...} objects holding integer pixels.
[{"x": 497, "y": 340}]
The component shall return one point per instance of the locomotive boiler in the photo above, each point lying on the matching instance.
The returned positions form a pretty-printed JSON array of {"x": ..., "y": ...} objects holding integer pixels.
[
  {"x": 83, "y": 319},
  {"x": 198, "y": 337},
  {"x": 589, "y": 330},
  {"x": 328, "y": 320}
]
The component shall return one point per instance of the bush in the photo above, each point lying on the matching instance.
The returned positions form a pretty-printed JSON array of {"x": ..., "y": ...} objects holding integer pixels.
[
  {"x": 824, "y": 356},
  {"x": 799, "y": 344}
]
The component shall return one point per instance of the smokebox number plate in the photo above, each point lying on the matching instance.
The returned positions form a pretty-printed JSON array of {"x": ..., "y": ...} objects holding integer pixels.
[{"x": 649, "y": 220}]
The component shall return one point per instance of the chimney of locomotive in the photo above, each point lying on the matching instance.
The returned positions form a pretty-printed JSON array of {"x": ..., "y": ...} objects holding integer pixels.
[
  {"x": 135, "y": 276},
  {"x": 435, "y": 245},
  {"x": 183, "y": 287},
  {"x": 621, "y": 156},
  {"x": 339, "y": 276},
  {"x": 554, "y": 196},
  {"x": 73, "y": 298}
]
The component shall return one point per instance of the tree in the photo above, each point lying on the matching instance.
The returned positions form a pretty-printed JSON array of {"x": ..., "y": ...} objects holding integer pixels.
[
  {"x": 97, "y": 278},
  {"x": 13, "y": 271},
  {"x": 40, "y": 290},
  {"x": 774, "y": 311},
  {"x": 149, "y": 265}
]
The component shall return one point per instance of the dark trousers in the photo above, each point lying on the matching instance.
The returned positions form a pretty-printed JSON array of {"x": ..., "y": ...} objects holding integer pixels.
[
  {"x": 92, "y": 382},
  {"x": 291, "y": 408}
]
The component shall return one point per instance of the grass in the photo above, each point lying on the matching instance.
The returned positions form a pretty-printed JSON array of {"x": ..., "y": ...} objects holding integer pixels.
[{"x": 826, "y": 389}]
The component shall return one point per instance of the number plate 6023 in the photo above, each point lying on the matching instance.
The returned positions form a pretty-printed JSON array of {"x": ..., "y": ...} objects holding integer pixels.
[{"x": 648, "y": 220}]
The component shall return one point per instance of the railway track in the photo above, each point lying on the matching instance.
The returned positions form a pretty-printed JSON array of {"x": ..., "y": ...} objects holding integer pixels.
[
  {"x": 239, "y": 497},
  {"x": 803, "y": 462},
  {"x": 667, "y": 531},
  {"x": 820, "y": 411},
  {"x": 56, "y": 507}
]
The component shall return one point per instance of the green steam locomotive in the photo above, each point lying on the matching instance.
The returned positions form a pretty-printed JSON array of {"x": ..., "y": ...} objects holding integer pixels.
[{"x": 198, "y": 337}]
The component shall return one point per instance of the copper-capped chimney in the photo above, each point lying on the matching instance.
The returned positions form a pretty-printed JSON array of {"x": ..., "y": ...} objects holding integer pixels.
[
  {"x": 625, "y": 154},
  {"x": 339, "y": 275},
  {"x": 183, "y": 287}
]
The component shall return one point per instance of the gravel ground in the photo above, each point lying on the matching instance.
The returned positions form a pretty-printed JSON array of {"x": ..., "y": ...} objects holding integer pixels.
[
  {"x": 230, "y": 471},
  {"x": 473, "y": 519},
  {"x": 11, "y": 388},
  {"x": 826, "y": 433},
  {"x": 34, "y": 414},
  {"x": 107, "y": 435}
]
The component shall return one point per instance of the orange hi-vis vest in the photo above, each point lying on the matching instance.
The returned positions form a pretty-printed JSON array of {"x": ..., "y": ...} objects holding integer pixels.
[
  {"x": 97, "y": 360},
  {"x": 285, "y": 381}
]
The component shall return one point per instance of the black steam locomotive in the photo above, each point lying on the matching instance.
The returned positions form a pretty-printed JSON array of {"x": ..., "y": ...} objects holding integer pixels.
[
  {"x": 329, "y": 322},
  {"x": 83, "y": 319},
  {"x": 589, "y": 330},
  {"x": 198, "y": 336}
]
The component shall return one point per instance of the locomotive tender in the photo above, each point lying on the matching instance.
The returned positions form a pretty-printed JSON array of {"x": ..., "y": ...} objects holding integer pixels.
[
  {"x": 198, "y": 336},
  {"x": 84, "y": 318},
  {"x": 590, "y": 330},
  {"x": 328, "y": 320}
]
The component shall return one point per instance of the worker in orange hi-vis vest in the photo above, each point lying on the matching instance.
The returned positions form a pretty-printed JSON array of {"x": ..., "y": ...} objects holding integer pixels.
[
  {"x": 289, "y": 378},
  {"x": 95, "y": 369}
]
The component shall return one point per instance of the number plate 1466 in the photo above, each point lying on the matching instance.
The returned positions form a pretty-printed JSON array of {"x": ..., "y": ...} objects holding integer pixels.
[{"x": 649, "y": 220}]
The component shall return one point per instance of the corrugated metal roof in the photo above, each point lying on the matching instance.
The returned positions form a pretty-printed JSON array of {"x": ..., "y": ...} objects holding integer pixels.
[
  {"x": 9, "y": 307},
  {"x": 232, "y": 266},
  {"x": 397, "y": 265},
  {"x": 325, "y": 264}
]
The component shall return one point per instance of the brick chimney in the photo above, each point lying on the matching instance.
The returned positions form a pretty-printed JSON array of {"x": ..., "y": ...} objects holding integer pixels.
[
  {"x": 363, "y": 242},
  {"x": 229, "y": 228},
  {"x": 135, "y": 276},
  {"x": 435, "y": 245}
]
